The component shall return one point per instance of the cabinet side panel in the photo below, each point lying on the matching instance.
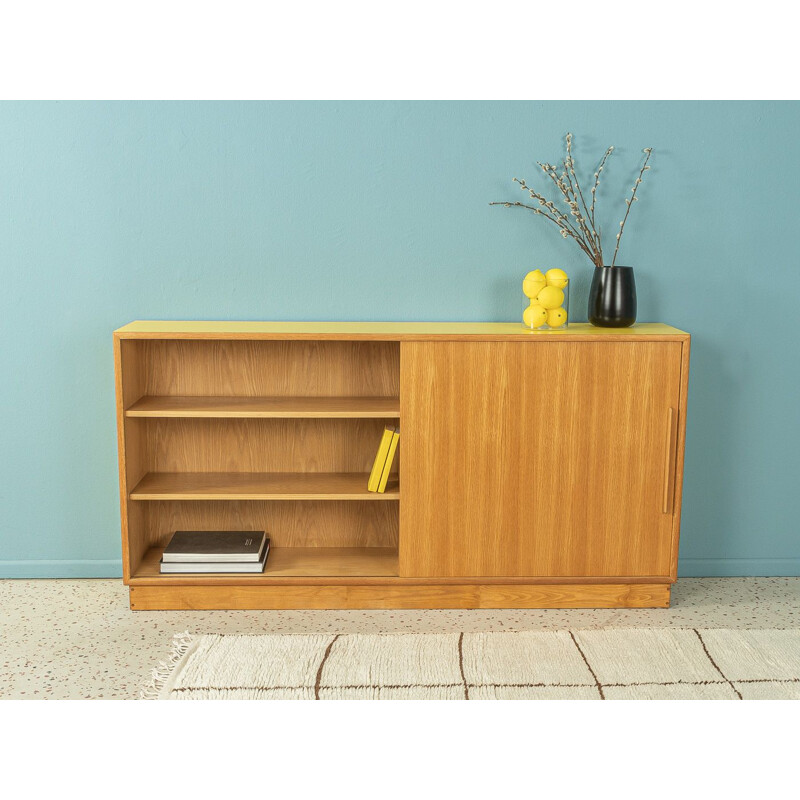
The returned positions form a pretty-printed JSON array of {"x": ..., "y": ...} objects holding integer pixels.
[
  {"x": 536, "y": 459},
  {"x": 129, "y": 379},
  {"x": 679, "y": 456}
]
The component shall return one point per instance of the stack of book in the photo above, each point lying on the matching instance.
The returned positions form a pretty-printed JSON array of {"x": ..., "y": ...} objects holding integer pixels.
[
  {"x": 379, "y": 476},
  {"x": 216, "y": 551}
]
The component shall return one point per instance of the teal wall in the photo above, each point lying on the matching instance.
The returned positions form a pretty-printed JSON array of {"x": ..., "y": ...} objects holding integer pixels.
[{"x": 111, "y": 212}]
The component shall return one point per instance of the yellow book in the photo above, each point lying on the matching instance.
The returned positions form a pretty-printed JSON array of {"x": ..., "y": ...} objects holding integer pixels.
[
  {"x": 380, "y": 460},
  {"x": 389, "y": 459}
]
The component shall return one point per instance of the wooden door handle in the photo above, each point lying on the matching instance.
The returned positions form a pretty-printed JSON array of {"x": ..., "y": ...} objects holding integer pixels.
[{"x": 669, "y": 462}]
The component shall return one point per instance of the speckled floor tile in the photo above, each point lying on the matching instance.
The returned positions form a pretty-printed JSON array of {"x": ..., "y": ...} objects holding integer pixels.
[{"x": 78, "y": 639}]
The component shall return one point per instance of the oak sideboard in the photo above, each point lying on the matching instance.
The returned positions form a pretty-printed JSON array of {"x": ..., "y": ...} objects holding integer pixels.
[{"x": 535, "y": 470}]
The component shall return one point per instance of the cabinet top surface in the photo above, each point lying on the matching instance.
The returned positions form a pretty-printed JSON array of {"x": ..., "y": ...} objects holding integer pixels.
[{"x": 386, "y": 331}]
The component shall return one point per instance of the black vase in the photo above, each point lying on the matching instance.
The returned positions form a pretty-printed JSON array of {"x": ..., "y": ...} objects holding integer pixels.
[{"x": 612, "y": 298}]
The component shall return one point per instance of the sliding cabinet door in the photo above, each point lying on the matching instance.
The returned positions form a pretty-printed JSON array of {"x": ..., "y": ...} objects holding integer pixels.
[{"x": 537, "y": 458}]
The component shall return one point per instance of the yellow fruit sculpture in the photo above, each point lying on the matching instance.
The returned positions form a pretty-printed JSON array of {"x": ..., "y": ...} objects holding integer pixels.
[
  {"x": 547, "y": 298},
  {"x": 533, "y": 283},
  {"x": 550, "y": 297},
  {"x": 556, "y": 317},
  {"x": 534, "y": 316},
  {"x": 556, "y": 277}
]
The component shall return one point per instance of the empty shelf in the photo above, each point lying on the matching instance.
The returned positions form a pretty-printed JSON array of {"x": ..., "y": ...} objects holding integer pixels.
[
  {"x": 267, "y": 407},
  {"x": 259, "y": 486}
]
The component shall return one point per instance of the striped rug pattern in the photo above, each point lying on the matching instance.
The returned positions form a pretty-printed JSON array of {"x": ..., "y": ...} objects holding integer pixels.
[{"x": 611, "y": 664}]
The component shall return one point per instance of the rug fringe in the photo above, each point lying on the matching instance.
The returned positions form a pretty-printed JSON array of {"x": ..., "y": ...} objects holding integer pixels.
[{"x": 161, "y": 673}]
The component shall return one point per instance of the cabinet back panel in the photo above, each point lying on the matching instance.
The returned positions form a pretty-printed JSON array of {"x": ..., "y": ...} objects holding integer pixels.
[
  {"x": 289, "y": 523},
  {"x": 271, "y": 369},
  {"x": 263, "y": 445}
]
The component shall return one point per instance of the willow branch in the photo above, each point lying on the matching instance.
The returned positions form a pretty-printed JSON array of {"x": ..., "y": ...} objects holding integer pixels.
[
  {"x": 597, "y": 182},
  {"x": 570, "y": 163},
  {"x": 565, "y": 230},
  {"x": 543, "y": 201},
  {"x": 572, "y": 202},
  {"x": 584, "y": 233},
  {"x": 629, "y": 203},
  {"x": 580, "y": 222}
]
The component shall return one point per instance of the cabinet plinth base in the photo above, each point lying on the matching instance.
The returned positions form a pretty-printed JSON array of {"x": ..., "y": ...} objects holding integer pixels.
[{"x": 581, "y": 595}]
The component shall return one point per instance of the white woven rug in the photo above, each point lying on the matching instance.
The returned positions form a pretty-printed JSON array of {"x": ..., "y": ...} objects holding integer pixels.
[{"x": 612, "y": 664}]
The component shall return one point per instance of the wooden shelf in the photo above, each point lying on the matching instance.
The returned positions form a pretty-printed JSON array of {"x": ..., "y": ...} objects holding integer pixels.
[
  {"x": 259, "y": 486},
  {"x": 284, "y": 562},
  {"x": 267, "y": 407}
]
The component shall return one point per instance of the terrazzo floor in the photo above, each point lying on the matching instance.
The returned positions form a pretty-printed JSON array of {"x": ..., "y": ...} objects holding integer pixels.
[{"x": 78, "y": 639}]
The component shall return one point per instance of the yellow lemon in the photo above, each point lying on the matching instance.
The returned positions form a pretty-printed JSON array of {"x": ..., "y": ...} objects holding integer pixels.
[
  {"x": 534, "y": 316},
  {"x": 550, "y": 297},
  {"x": 556, "y": 317},
  {"x": 556, "y": 277},
  {"x": 533, "y": 283}
]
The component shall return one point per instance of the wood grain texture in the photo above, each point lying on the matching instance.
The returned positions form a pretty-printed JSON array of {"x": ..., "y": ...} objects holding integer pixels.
[
  {"x": 679, "y": 456},
  {"x": 121, "y": 457},
  {"x": 669, "y": 462},
  {"x": 508, "y": 428},
  {"x": 271, "y": 368},
  {"x": 285, "y": 562},
  {"x": 131, "y": 449},
  {"x": 267, "y": 407},
  {"x": 522, "y": 459},
  {"x": 130, "y": 371},
  {"x": 262, "y": 445},
  {"x": 339, "y": 384},
  {"x": 259, "y": 486},
  {"x": 621, "y": 595},
  {"x": 370, "y": 580},
  {"x": 351, "y": 566},
  {"x": 386, "y": 331},
  {"x": 289, "y": 523},
  {"x": 250, "y": 596}
]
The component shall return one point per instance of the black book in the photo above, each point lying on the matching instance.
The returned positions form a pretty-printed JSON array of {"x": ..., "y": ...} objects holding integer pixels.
[
  {"x": 217, "y": 567},
  {"x": 215, "y": 546}
]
